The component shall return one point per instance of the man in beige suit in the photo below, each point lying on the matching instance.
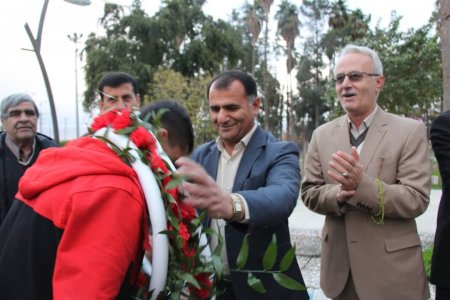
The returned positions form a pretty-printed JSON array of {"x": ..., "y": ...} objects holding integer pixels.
[{"x": 370, "y": 192}]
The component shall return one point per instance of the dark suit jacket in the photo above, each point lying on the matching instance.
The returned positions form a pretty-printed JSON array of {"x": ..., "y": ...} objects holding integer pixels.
[
  {"x": 440, "y": 263},
  {"x": 6, "y": 198},
  {"x": 268, "y": 178}
]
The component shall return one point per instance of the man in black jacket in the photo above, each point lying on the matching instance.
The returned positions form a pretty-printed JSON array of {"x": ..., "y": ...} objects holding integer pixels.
[
  {"x": 20, "y": 144},
  {"x": 440, "y": 263}
]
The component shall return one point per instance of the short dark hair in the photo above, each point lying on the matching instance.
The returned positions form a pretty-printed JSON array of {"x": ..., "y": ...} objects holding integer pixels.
[
  {"x": 224, "y": 80},
  {"x": 176, "y": 121},
  {"x": 114, "y": 79}
]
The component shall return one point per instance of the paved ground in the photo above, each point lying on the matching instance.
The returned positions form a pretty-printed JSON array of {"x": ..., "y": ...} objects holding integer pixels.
[{"x": 306, "y": 227}]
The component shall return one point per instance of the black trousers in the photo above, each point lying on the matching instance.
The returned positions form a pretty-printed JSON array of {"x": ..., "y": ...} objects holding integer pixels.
[
  {"x": 226, "y": 287},
  {"x": 442, "y": 293}
]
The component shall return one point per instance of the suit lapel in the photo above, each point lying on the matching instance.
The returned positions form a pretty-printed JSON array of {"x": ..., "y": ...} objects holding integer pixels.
[
  {"x": 342, "y": 135},
  {"x": 211, "y": 161},
  {"x": 374, "y": 137},
  {"x": 251, "y": 153}
]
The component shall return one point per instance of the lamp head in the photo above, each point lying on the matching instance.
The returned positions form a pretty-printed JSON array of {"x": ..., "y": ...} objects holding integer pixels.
[{"x": 79, "y": 2}]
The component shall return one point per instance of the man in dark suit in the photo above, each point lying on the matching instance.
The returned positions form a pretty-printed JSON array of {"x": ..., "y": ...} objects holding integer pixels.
[
  {"x": 440, "y": 263},
  {"x": 20, "y": 145},
  {"x": 249, "y": 185}
]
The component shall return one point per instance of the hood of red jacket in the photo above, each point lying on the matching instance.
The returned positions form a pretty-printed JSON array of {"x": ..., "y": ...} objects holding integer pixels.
[{"x": 83, "y": 156}]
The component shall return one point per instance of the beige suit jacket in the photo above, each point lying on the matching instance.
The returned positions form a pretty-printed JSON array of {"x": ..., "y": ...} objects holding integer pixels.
[{"x": 385, "y": 260}]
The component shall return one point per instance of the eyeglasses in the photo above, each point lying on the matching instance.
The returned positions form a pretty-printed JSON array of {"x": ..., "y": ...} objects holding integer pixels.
[
  {"x": 107, "y": 96},
  {"x": 353, "y": 76},
  {"x": 125, "y": 98}
]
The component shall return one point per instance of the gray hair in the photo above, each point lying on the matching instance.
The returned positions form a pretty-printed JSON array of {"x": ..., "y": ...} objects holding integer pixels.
[
  {"x": 377, "y": 64},
  {"x": 14, "y": 100}
]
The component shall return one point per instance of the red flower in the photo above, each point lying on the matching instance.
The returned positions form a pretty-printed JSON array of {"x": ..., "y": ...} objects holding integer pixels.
[
  {"x": 187, "y": 211},
  {"x": 122, "y": 120},
  {"x": 205, "y": 282},
  {"x": 103, "y": 120},
  {"x": 184, "y": 234},
  {"x": 158, "y": 163},
  {"x": 189, "y": 251},
  {"x": 142, "y": 138}
]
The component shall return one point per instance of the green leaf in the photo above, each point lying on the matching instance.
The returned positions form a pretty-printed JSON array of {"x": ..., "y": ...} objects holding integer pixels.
[
  {"x": 189, "y": 278},
  {"x": 218, "y": 265},
  {"x": 126, "y": 131},
  {"x": 288, "y": 282},
  {"x": 271, "y": 254},
  {"x": 218, "y": 250},
  {"x": 255, "y": 283},
  {"x": 243, "y": 254},
  {"x": 209, "y": 231},
  {"x": 287, "y": 259},
  {"x": 176, "y": 181}
]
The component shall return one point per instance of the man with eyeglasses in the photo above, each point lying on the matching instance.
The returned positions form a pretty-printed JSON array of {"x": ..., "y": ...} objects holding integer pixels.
[
  {"x": 368, "y": 172},
  {"x": 118, "y": 90},
  {"x": 20, "y": 144}
]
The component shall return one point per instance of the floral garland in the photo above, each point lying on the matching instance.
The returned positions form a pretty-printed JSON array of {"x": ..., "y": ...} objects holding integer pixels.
[{"x": 190, "y": 272}]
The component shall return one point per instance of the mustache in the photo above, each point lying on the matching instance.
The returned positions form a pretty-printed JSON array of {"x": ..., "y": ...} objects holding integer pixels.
[{"x": 23, "y": 125}]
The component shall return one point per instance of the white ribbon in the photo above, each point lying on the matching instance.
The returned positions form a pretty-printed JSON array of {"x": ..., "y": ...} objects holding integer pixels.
[{"x": 155, "y": 205}]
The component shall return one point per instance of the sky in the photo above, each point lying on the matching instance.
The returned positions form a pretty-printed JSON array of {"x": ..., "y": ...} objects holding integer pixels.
[{"x": 20, "y": 72}]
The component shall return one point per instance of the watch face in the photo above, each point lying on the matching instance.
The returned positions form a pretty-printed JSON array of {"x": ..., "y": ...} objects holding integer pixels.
[{"x": 238, "y": 205}]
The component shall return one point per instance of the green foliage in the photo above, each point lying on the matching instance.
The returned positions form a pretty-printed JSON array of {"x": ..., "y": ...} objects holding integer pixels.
[
  {"x": 190, "y": 92},
  {"x": 243, "y": 254},
  {"x": 179, "y": 36},
  {"x": 412, "y": 68},
  {"x": 270, "y": 254},
  {"x": 181, "y": 39},
  {"x": 255, "y": 283},
  {"x": 427, "y": 253},
  {"x": 268, "y": 263}
]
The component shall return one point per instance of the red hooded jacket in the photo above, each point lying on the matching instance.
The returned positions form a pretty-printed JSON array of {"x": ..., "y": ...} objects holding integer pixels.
[{"x": 77, "y": 231}]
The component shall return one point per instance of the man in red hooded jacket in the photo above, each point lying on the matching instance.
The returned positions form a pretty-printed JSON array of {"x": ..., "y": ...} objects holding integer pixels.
[{"x": 77, "y": 230}]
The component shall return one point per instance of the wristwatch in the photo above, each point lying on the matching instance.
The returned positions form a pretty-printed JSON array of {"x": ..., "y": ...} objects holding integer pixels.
[{"x": 238, "y": 208}]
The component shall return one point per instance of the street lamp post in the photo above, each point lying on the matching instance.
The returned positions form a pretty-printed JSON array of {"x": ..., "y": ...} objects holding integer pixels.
[
  {"x": 75, "y": 38},
  {"x": 36, "y": 43}
]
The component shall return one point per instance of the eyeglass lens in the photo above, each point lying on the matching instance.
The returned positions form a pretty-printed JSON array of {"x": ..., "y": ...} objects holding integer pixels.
[{"x": 354, "y": 76}]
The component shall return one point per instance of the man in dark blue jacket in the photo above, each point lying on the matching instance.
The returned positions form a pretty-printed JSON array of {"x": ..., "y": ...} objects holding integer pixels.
[
  {"x": 248, "y": 183},
  {"x": 20, "y": 144}
]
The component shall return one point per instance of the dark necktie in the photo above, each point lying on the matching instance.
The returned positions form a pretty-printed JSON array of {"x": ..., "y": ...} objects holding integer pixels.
[{"x": 359, "y": 140}]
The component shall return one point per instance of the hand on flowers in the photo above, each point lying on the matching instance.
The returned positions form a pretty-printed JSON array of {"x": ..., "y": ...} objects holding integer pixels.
[
  {"x": 346, "y": 169},
  {"x": 203, "y": 192}
]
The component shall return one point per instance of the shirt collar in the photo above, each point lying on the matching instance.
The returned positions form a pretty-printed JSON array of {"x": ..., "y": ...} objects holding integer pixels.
[
  {"x": 366, "y": 123},
  {"x": 16, "y": 150},
  {"x": 244, "y": 141}
]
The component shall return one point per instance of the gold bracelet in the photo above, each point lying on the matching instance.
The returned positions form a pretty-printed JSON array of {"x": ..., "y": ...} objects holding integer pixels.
[{"x": 379, "y": 218}]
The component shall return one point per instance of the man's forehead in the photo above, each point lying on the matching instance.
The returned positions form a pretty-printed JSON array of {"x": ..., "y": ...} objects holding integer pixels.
[{"x": 24, "y": 104}]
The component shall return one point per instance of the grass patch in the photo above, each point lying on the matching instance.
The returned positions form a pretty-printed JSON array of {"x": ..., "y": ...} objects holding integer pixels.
[{"x": 426, "y": 254}]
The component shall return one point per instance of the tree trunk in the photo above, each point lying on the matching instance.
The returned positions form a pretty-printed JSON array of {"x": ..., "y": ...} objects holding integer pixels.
[
  {"x": 265, "y": 70},
  {"x": 444, "y": 14}
]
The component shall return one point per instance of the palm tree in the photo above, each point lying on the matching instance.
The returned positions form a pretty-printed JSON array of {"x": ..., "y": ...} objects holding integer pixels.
[
  {"x": 266, "y": 5},
  {"x": 288, "y": 28},
  {"x": 254, "y": 25}
]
